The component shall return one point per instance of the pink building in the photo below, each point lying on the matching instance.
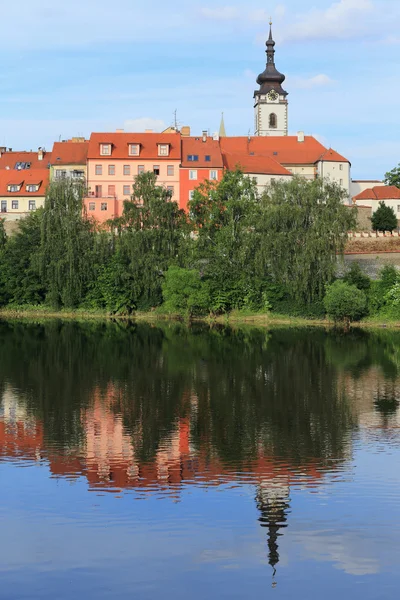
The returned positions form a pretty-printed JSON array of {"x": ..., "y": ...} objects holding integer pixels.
[{"x": 114, "y": 160}]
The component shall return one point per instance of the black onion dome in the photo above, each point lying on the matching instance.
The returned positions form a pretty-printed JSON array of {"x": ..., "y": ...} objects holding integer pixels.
[{"x": 271, "y": 79}]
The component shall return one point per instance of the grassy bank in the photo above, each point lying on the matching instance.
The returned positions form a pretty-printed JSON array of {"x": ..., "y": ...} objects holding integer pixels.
[{"x": 233, "y": 318}]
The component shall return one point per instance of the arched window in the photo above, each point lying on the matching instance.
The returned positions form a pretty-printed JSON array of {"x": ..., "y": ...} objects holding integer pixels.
[{"x": 273, "y": 121}]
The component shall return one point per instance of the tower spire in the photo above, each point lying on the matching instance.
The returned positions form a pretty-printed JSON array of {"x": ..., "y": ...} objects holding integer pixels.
[{"x": 222, "y": 131}]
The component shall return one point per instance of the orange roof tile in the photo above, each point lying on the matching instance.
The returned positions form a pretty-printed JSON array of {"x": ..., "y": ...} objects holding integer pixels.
[
  {"x": 194, "y": 146},
  {"x": 8, "y": 160},
  {"x": 381, "y": 192},
  {"x": 286, "y": 150},
  {"x": 24, "y": 178},
  {"x": 70, "y": 153},
  {"x": 148, "y": 142},
  {"x": 254, "y": 164},
  {"x": 332, "y": 156}
]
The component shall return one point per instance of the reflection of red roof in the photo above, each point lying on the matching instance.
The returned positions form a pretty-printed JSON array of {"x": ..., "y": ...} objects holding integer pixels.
[
  {"x": 254, "y": 164},
  {"x": 194, "y": 146},
  {"x": 70, "y": 153},
  {"x": 8, "y": 160},
  {"x": 380, "y": 192},
  {"x": 24, "y": 178},
  {"x": 286, "y": 150},
  {"x": 148, "y": 145}
]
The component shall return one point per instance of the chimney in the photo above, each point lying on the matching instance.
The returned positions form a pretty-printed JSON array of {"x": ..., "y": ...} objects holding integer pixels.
[
  {"x": 216, "y": 137},
  {"x": 120, "y": 131},
  {"x": 185, "y": 131},
  {"x": 148, "y": 131},
  {"x": 40, "y": 153},
  {"x": 204, "y": 135},
  {"x": 300, "y": 136}
]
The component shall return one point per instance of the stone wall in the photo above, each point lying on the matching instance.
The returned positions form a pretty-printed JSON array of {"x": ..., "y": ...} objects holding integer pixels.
[{"x": 371, "y": 264}]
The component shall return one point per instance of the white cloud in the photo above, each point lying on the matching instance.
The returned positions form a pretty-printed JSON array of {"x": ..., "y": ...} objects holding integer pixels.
[
  {"x": 320, "y": 80},
  {"x": 343, "y": 19}
]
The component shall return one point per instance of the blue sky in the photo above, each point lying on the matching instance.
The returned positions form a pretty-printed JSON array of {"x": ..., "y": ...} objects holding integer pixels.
[{"x": 69, "y": 68}]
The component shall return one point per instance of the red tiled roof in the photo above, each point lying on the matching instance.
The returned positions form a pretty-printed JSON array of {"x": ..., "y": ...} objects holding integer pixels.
[
  {"x": 286, "y": 150},
  {"x": 381, "y": 192},
  {"x": 254, "y": 164},
  {"x": 26, "y": 177},
  {"x": 148, "y": 142},
  {"x": 332, "y": 156},
  {"x": 8, "y": 160},
  {"x": 195, "y": 146},
  {"x": 70, "y": 153}
]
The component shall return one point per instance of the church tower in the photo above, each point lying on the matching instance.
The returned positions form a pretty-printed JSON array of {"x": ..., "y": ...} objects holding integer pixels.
[{"x": 270, "y": 103}]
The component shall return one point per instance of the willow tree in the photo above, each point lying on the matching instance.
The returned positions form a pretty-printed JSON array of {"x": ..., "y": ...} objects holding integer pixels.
[
  {"x": 303, "y": 226},
  {"x": 67, "y": 244}
]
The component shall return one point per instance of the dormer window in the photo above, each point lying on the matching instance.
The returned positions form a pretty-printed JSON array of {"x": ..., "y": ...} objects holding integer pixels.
[
  {"x": 134, "y": 149},
  {"x": 14, "y": 187},
  {"x": 105, "y": 149},
  {"x": 163, "y": 149},
  {"x": 32, "y": 187}
]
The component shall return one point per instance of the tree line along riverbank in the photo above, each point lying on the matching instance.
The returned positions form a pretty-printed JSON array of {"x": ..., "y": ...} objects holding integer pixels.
[{"x": 236, "y": 255}]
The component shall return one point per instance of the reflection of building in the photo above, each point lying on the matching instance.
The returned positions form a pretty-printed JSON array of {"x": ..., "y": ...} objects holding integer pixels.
[{"x": 21, "y": 436}]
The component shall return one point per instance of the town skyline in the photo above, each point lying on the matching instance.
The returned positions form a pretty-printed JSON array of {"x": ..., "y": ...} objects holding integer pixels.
[{"x": 205, "y": 63}]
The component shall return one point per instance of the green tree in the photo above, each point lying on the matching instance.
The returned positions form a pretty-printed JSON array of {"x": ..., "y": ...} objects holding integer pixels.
[
  {"x": 356, "y": 276},
  {"x": 152, "y": 234},
  {"x": 3, "y": 235},
  {"x": 302, "y": 227},
  {"x": 345, "y": 303},
  {"x": 224, "y": 216},
  {"x": 20, "y": 281},
  {"x": 384, "y": 218},
  {"x": 67, "y": 246},
  {"x": 184, "y": 292},
  {"x": 393, "y": 177}
]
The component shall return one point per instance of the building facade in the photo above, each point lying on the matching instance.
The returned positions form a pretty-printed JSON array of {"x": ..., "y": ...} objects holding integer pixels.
[{"x": 69, "y": 159}]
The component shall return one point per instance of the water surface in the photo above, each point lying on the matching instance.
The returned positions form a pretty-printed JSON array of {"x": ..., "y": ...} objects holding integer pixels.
[{"x": 146, "y": 462}]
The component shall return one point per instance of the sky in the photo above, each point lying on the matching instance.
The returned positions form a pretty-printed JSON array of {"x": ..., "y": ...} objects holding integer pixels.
[{"x": 70, "y": 68}]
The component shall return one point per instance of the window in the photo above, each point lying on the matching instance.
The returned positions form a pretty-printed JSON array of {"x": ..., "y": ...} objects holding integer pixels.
[
  {"x": 4, "y": 206},
  {"x": 99, "y": 170},
  {"x": 105, "y": 149},
  {"x": 170, "y": 170},
  {"x": 103, "y": 206},
  {"x": 156, "y": 169},
  {"x": 163, "y": 149},
  {"x": 14, "y": 188},
  {"x": 193, "y": 157},
  {"x": 134, "y": 149},
  {"x": 75, "y": 174},
  {"x": 14, "y": 204},
  {"x": 207, "y": 158},
  {"x": 32, "y": 188},
  {"x": 341, "y": 167},
  {"x": 92, "y": 206},
  {"x": 111, "y": 169},
  {"x": 111, "y": 190},
  {"x": 398, "y": 208},
  {"x": 127, "y": 190},
  {"x": 99, "y": 191},
  {"x": 32, "y": 205},
  {"x": 60, "y": 174},
  {"x": 341, "y": 182},
  {"x": 213, "y": 175},
  {"x": 192, "y": 174},
  {"x": 140, "y": 169},
  {"x": 170, "y": 188},
  {"x": 273, "y": 121},
  {"x": 191, "y": 194},
  {"x": 127, "y": 170}
]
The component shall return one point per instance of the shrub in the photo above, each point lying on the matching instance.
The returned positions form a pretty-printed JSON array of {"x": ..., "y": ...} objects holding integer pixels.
[
  {"x": 184, "y": 292},
  {"x": 355, "y": 276},
  {"x": 384, "y": 218},
  {"x": 344, "y": 302},
  {"x": 377, "y": 297}
]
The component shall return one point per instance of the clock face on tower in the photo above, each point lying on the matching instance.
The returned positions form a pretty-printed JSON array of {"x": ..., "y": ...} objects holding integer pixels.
[{"x": 273, "y": 96}]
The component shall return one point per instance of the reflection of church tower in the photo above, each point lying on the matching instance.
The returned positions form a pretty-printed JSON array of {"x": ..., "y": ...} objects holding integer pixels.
[
  {"x": 273, "y": 502},
  {"x": 270, "y": 103}
]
